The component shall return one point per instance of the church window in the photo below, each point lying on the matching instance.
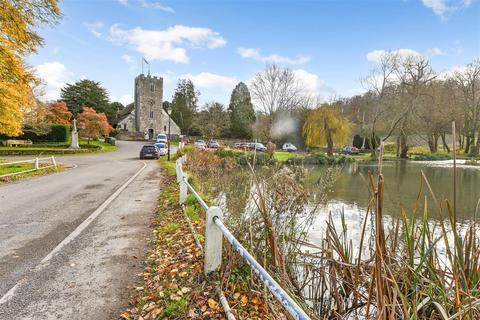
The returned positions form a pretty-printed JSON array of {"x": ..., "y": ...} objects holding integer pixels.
[
  {"x": 152, "y": 87},
  {"x": 151, "y": 114},
  {"x": 164, "y": 128}
]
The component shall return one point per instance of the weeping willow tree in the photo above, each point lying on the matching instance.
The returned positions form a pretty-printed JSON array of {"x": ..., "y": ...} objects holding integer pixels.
[{"x": 326, "y": 126}]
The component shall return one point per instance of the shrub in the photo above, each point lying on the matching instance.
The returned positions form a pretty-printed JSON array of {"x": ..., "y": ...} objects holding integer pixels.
[
  {"x": 430, "y": 157},
  {"x": 390, "y": 148},
  {"x": 57, "y": 133},
  {"x": 228, "y": 153}
]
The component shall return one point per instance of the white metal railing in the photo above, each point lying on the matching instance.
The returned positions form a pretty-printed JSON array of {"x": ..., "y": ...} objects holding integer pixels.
[
  {"x": 214, "y": 232},
  {"x": 36, "y": 165}
]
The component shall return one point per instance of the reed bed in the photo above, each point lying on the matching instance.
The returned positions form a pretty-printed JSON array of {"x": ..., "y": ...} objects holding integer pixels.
[{"x": 414, "y": 267}]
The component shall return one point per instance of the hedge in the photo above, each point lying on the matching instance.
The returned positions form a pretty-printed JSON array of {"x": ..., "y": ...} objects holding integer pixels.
[{"x": 58, "y": 133}]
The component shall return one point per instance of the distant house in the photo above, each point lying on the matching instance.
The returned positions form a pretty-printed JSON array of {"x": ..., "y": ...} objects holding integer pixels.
[{"x": 146, "y": 114}]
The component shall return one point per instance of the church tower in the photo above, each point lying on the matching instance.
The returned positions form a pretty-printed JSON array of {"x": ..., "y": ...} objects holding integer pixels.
[{"x": 149, "y": 113}]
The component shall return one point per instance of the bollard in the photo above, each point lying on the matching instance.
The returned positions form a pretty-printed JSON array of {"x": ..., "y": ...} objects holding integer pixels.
[
  {"x": 37, "y": 165},
  {"x": 54, "y": 162},
  {"x": 183, "y": 187},
  {"x": 213, "y": 241}
]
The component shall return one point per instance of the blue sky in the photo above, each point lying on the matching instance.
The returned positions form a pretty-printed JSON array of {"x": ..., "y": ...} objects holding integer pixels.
[{"x": 329, "y": 44}]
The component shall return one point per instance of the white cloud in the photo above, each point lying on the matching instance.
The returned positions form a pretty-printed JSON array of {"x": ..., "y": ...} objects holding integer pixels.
[
  {"x": 211, "y": 80},
  {"x": 55, "y": 76},
  {"x": 94, "y": 28},
  {"x": 313, "y": 84},
  {"x": 251, "y": 53},
  {"x": 432, "y": 52},
  {"x": 156, "y": 5},
  {"x": 167, "y": 45},
  {"x": 130, "y": 61},
  {"x": 442, "y": 7},
  {"x": 124, "y": 99},
  {"x": 149, "y": 5},
  {"x": 377, "y": 55}
]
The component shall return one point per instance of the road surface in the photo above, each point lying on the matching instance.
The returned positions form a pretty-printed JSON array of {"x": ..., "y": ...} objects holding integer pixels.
[{"x": 69, "y": 249}]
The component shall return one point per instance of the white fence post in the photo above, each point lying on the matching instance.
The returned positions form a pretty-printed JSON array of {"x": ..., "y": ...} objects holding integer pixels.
[
  {"x": 213, "y": 241},
  {"x": 183, "y": 188},
  {"x": 54, "y": 162},
  {"x": 37, "y": 165}
]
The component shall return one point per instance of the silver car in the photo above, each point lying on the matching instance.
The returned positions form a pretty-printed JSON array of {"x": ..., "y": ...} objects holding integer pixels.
[
  {"x": 162, "y": 148},
  {"x": 200, "y": 144}
]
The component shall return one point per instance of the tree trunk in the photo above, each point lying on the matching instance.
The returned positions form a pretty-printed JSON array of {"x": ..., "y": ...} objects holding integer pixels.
[
  {"x": 431, "y": 144},
  {"x": 445, "y": 144},
  {"x": 403, "y": 147},
  {"x": 475, "y": 146},
  {"x": 397, "y": 153},
  {"x": 467, "y": 144},
  {"x": 329, "y": 144}
]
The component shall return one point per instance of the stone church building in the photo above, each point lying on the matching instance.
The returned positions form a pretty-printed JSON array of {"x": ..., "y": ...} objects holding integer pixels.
[{"x": 146, "y": 114}]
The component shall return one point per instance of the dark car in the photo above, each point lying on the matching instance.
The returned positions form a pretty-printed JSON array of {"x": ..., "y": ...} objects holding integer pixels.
[
  {"x": 149, "y": 151},
  {"x": 257, "y": 146}
]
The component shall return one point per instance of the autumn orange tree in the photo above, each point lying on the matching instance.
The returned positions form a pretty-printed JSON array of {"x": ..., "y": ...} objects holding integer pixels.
[
  {"x": 19, "y": 21},
  {"x": 326, "y": 126},
  {"x": 92, "y": 125},
  {"x": 57, "y": 112}
]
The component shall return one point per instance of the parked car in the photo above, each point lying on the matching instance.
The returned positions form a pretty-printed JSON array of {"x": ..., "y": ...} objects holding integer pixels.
[
  {"x": 200, "y": 144},
  {"x": 213, "y": 144},
  {"x": 240, "y": 145},
  {"x": 162, "y": 138},
  {"x": 162, "y": 148},
  {"x": 289, "y": 147},
  {"x": 257, "y": 146},
  {"x": 149, "y": 151},
  {"x": 350, "y": 150}
]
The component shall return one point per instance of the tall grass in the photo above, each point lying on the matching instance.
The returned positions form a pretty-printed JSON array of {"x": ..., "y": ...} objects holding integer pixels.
[{"x": 424, "y": 265}]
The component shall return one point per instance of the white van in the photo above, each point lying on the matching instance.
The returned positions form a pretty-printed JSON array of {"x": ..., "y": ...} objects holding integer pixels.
[{"x": 162, "y": 138}]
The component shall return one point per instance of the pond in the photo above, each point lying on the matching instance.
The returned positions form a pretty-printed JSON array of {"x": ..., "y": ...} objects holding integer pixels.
[
  {"x": 403, "y": 182},
  {"x": 350, "y": 194}
]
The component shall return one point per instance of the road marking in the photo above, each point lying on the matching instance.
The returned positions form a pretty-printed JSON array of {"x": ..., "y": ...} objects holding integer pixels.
[{"x": 75, "y": 233}]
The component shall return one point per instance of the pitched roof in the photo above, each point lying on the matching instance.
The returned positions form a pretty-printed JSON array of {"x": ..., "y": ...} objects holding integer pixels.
[{"x": 125, "y": 112}]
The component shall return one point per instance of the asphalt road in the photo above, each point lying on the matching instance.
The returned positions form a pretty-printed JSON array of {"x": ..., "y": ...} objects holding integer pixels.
[{"x": 64, "y": 252}]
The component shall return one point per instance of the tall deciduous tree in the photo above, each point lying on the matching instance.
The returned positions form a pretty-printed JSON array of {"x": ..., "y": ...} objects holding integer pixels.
[
  {"x": 326, "y": 126},
  {"x": 34, "y": 119},
  {"x": 88, "y": 93},
  {"x": 184, "y": 104},
  {"x": 19, "y": 22},
  {"x": 92, "y": 125},
  {"x": 58, "y": 113},
  {"x": 242, "y": 115},
  {"x": 214, "y": 120},
  {"x": 278, "y": 91},
  {"x": 468, "y": 83}
]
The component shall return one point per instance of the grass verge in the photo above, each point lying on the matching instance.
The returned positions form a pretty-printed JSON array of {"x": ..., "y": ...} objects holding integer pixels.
[
  {"x": 26, "y": 166},
  {"x": 173, "y": 283},
  {"x": 58, "y": 149}
]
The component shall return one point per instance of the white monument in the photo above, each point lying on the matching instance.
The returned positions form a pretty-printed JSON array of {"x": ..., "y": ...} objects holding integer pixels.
[{"x": 74, "y": 144}]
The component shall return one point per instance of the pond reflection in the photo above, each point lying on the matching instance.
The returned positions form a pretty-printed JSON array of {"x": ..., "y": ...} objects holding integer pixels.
[{"x": 404, "y": 182}]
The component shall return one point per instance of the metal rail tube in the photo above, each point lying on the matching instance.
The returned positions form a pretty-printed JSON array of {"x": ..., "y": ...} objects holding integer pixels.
[{"x": 287, "y": 302}]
